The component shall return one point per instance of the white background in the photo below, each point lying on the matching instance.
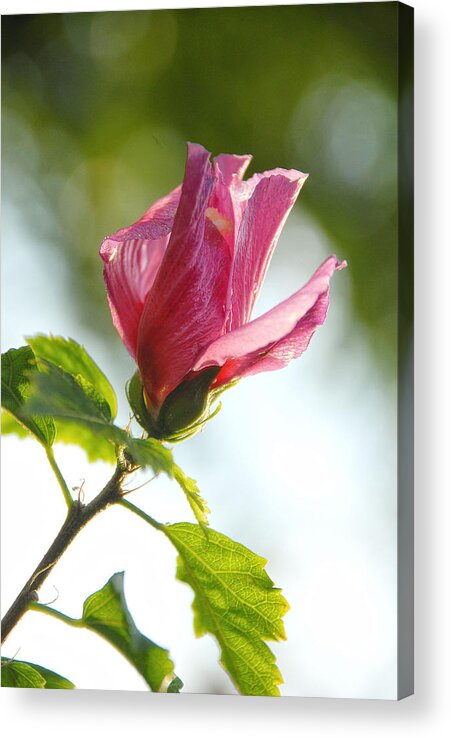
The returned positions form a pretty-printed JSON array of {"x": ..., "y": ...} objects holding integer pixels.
[{"x": 426, "y": 712}]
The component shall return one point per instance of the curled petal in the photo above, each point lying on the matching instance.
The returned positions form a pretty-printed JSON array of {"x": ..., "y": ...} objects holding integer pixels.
[
  {"x": 229, "y": 170},
  {"x": 129, "y": 275},
  {"x": 231, "y": 165},
  {"x": 156, "y": 222},
  {"x": 271, "y": 196},
  {"x": 132, "y": 257},
  {"x": 275, "y": 338}
]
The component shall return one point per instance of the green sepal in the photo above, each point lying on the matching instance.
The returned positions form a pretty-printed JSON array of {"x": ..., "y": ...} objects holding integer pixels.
[
  {"x": 135, "y": 396},
  {"x": 188, "y": 404},
  {"x": 183, "y": 413}
]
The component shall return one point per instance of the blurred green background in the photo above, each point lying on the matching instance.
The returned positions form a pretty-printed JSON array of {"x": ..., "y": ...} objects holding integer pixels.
[{"x": 97, "y": 109}]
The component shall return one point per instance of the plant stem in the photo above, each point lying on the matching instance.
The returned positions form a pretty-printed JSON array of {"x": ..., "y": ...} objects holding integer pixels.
[
  {"x": 61, "y": 481},
  {"x": 46, "y": 610},
  {"x": 77, "y": 517},
  {"x": 141, "y": 514}
]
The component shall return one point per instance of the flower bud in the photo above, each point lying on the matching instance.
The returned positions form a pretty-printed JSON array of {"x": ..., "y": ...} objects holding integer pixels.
[{"x": 184, "y": 411}]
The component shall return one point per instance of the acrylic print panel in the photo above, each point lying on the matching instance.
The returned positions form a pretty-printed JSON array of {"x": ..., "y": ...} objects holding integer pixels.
[{"x": 130, "y": 374}]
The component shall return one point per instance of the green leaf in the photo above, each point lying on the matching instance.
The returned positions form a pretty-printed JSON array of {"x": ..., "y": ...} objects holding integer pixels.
[
  {"x": 68, "y": 355},
  {"x": 175, "y": 686},
  {"x": 95, "y": 445},
  {"x": 54, "y": 680},
  {"x": 18, "y": 366},
  {"x": 161, "y": 460},
  {"x": 196, "y": 501},
  {"x": 74, "y": 359},
  {"x": 105, "y": 612},
  {"x": 58, "y": 393},
  {"x": 75, "y": 406},
  {"x": 151, "y": 452},
  {"x": 23, "y": 674},
  {"x": 235, "y": 601},
  {"x": 12, "y": 426}
]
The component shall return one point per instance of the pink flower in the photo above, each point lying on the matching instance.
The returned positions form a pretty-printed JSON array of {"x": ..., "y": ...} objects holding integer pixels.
[{"x": 182, "y": 281}]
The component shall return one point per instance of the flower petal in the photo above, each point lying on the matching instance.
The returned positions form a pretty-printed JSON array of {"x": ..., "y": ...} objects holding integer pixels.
[
  {"x": 229, "y": 170},
  {"x": 156, "y": 222},
  {"x": 132, "y": 257},
  {"x": 267, "y": 199},
  {"x": 184, "y": 311},
  {"x": 128, "y": 277},
  {"x": 232, "y": 165},
  {"x": 275, "y": 338}
]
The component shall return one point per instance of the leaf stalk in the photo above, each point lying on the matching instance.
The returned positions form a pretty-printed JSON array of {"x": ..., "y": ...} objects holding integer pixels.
[{"x": 61, "y": 481}]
